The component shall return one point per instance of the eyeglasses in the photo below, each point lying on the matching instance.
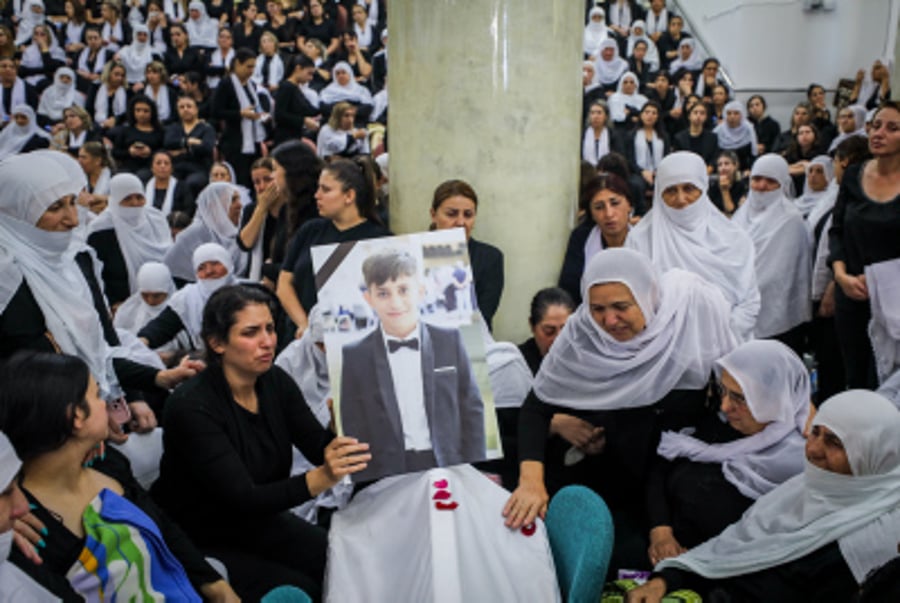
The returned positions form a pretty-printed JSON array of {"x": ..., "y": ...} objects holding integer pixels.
[{"x": 735, "y": 398}]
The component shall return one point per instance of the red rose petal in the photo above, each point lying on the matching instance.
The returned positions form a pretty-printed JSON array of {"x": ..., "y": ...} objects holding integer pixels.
[
  {"x": 442, "y": 495},
  {"x": 441, "y": 483},
  {"x": 442, "y": 506},
  {"x": 530, "y": 529}
]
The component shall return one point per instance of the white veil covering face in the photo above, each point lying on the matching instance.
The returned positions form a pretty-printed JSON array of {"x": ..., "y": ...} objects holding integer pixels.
[
  {"x": 137, "y": 55},
  {"x": 686, "y": 330},
  {"x": 134, "y": 313},
  {"x": 46, "y": 261},
  {"x": 142, "y": 232},
  {"x": 883, "y": 281},
  {"x": 775, "y": 383},
  {"x": 594, "y": 33},
  {"x": 860, "y": 511},
  {"x": 59, "y": 96},
  {"x": 211, "y": 224},
  {"x": 698, "y": 238},
  {"x": 189, "y": 301},
  {"x": 783, "y": 255}
]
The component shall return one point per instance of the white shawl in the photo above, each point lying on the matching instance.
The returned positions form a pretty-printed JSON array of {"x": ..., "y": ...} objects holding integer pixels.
[
  {"x": 609, "y": 72},
  {"x": 818, "y": 507},
  {"x": 353, "y": 92},
  {"x": 217, "y": 60},
  {"x": 101, "y": 103},
  {"x": 594, "y": 33},
  {"x": 17, "y": 98},
  {"x": 652, "y": 56},
  {"x": 189, "y": 301},
  {"x": 134, "y": 313},
  {"x": 108, "y": 32},
  {"x": 741, "y": 136},
  {"x": 276, "y": 71},
  {"x": 700, "y": 239},
  {"x": 883, "y": 281},
  {"x": 592, "y": 149},
  {"x": 251, "y": 131},
  {"x": 775, "y": 383},
  {"x": 150, "y": 194},
  {"x": 692, "y": 63},
  {"x": 58, "y": 96},
  {"x": 619, "y": 101},
  {"x": 204, "y": 30},
  {"x": 161, "y": 98},
  {"x": 686, "y": 331},
  {"x": 859, "y": 127},
  {"x": 136, "y": 56},
  {"x": 14, "y": 137},
  {"x": 783, "y": 255},
  {"x": 99, "y": 60},
  {"x": 810, "y": 199},
  {"x": 648, "y": 157}
]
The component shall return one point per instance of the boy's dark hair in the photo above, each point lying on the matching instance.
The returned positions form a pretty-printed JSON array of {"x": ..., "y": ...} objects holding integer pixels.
[{"x": 388, "y": 265}]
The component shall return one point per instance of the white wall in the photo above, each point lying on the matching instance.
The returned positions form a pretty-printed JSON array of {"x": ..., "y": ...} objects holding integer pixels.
[{"x": 776, "y": 48}]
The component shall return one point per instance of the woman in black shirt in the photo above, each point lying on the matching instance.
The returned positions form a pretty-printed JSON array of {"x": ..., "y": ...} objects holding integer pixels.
[{"x": 139, "y": 137}]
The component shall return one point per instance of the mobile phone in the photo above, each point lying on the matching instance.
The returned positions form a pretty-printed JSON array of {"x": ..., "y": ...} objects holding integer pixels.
[{"x": 118, "y": 411}]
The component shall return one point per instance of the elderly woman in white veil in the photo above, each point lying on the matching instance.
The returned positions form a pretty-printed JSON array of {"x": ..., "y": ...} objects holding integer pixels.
[
  {"x": 595, "y": 32},
  {"x": 626, "y": 102},
  {"x": 609, "y": 66},
  {"x": 203, "y": 30},
  {"x": 634, "y": 359},
  {"x": 344, "y": 88},
  {"x": 711, "y": 476},
  {"x": 685, "y": 230},
  {"x": 212, "y": 224},
  {"x": 783, "y": 253},
  {"x": 817, "y": 536}
]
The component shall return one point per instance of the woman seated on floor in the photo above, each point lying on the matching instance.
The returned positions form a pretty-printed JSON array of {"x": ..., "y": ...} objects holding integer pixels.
[
  {"x": 817, "y": 536},
  {"x": 104, "y": 538}
]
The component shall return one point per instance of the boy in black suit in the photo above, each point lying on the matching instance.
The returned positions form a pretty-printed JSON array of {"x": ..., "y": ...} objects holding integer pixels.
[{"x": 407, "y": 387}]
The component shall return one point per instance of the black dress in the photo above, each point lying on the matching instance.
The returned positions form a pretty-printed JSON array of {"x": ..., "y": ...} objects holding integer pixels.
[
  {"x": 767, "y": 131},
  {"x": 487, "y": 271},
  {"x": 225, "y": 478},
  {"x": 115, "y": 271},
  {"x": 706, "y": 145}
]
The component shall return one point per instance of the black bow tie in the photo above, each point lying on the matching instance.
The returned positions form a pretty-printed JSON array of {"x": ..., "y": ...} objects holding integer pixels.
[{"x": 395, "y": 344}]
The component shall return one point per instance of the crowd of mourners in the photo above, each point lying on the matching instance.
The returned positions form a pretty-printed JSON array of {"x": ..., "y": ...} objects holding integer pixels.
[{"x": 719, "y": 359}]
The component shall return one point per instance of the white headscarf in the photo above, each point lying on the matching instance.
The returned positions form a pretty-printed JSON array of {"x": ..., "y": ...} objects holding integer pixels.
[
  {"x": 134, "y": 313},
  {"x": 883, "y": 281},
  {"x": 204, "y": 30},
  {"x": 859, "y": 129},
  {"x": 741, "y": 136},
  {"x": 594, "y": 33},
  {"x": 137, "y": 55},
  {"x": 652, "y": 56},
  {"x": 14, "y": 137},
  {"x": 700, "y": 239},
  {"x": 816, "y": 508},
  {"x": 45, "y": 261},
  {"x": 868, "y": 86},
  {"x": 59, "y": 96},
  {"x": 809, "y": 200},
  {"x": 143, "y": 232},
  {"x": 775, "y": 383},
  {"x": 693, "y": 62},
  {"x": 29, "y": 20},
  {"x": 353, "y": 92},
  {"x": 211, "y": 224},
  {"x": 619, "y": 101},
  {"x": 609, "y": 72},
  {"x": 783, "y": 255},
  {"x": 189, "y": 301},
  {"x": 686, "y": 331},
  {"x": 308, "y": 366}
]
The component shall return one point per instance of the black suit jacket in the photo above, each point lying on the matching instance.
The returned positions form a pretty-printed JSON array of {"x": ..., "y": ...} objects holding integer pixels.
[
  {"x": 369, "y": 410},
  {"x": 226, "y": 110}
]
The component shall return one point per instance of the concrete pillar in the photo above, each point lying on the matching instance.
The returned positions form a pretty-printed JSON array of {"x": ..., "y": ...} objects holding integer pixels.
[{"x": 489, "y": 91}]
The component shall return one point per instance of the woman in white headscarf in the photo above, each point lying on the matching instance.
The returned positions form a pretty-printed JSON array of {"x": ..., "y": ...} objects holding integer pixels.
[
  {"x": 213, "y": 269},
  {"x": 688, "y": 59},
  {"x": 641, "y": 345},
  {"x": 22, "y": 134},
  {"x": 154, "y": 289},
  {"x": 595, "y": 32},
  {"x": 851, "y": 121},
  {"x": 59, "y": 96},
  {"x": 817, "y": 187},
  {"x": 626, "y": 102},
  {"x": 736, "y": 134},
  {"x": 712, "y": 475},
  {"x": 33, "y": 14},
  {"x": 817, "y": 536},
  {"x": 873, "y": 85},
  {"x": 137, "y": 55},
  {"x": 783, "y": 255},
  {"x": 609, "y": 67},
  {"x": 212, "y": 223},
  {"x": 126, "y": 235},
  {"x": 685, "y": 230},
  {"x": 203, "y": 30},
  {"x": 42, "y": 57},
  {"x": 639, "y": 32},
  {"x": 343, "y": 88}
]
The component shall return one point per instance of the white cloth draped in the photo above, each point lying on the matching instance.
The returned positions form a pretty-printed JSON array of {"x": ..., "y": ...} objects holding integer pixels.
[
  {"x": 609, "y": 72},
  {"x": 592, "y": 148},
  {"x": 686, "y": 331},
  {"x": 160, "y": 97},
  {"x": 648, "y": 154},
  {"x": 700, "y": 239},
  {"x": 859, "y": 127},
  {"x": 809, "y": 202},
  {"x": 652, "y": 56},
  {"x": 339, "y": 142},
  {"x": 58, "y": 96},
  {"x": 776, "y": 386},
  {"x": 619, "y": 101},
  {"x": 783, "y": 256},
  {"x": 17, "y": 97},
  {"x": 818, "y": 507},
  {"x": 134, "y": 313},
  {"x": 137, "y": 55},
  {"x": 14, "y": 137},
  {"x": 204, "y": 30},
  {"x": 189, "y": 301},
  {"x": 150, "y": 194},
  {"x": 102, "y": 110},
  {"x": 252, "y": 131},
  {"x": 353, "y": 92},
  {"x": 883, "y": 281},
  {"x": 694, "y": 62},
  {"x": 217, "y": 60},
  {"x": 276, "y": 71},
  {"x": 740, "y": 136},
  {"x": 594, "y": 32}
]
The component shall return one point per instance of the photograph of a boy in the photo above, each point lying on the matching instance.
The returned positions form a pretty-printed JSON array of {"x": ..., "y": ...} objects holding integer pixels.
[{"x": 407, "y": 388}]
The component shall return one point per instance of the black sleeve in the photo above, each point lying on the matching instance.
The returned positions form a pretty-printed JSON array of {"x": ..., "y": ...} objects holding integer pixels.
[
  {"x": 489, "y": 282},
  {"x": 133, "y": 375},
  {"x": 534, "y": 427},
  {"x": 246, "y": 214},
  {"x": 836, "y": 251},
  {"x": 162, "y": 329},
  {"x": 225, "y": 105},
  {"x": 657, "y": 502},
  {"x": 289, "y": 112},
  {"x": 573, "y": 263},
  {"x": 307, "y": 434}
]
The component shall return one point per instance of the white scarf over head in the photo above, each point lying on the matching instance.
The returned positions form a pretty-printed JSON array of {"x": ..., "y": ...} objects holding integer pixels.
[
  {"x": 308, "y": 366},
  {"x": 692, "y": 63},
  {"x": 134, "y": 313},
  {"x": 859, "y": 127},
  {"x": 137, "y": 55},
  {"x": 816, "y": 508},
  {"x": 609, "y": 72},
  {"x": 142, "y": 232},
  {"x": 619, "y": 101},
  {"x": 700, "y": 239},
  {"x": 189, "y": 301},
  {"x": 45, "y": 261},
  {"x": 740, "y": 136},
  {"x": 775, "y": 383},
  {"x": 29, "y": 20},
  {"x": 14, "y": 137},
  {"x": 59, "y": 96},
  {"x": 808, "y": 204},
  {"x": 686, "y": 331},
  {"x": 652, "y": 56},
  {"x": 868, "y": 86},
  {"x": 883, "y": 281},
  {"x": 211, "y": 224},
  {"x": 783, "y": 255},
  {"x": 594, "y": 32},
  {"x": 204, "y": 30},
  {"x": 353, "y": 92}
]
